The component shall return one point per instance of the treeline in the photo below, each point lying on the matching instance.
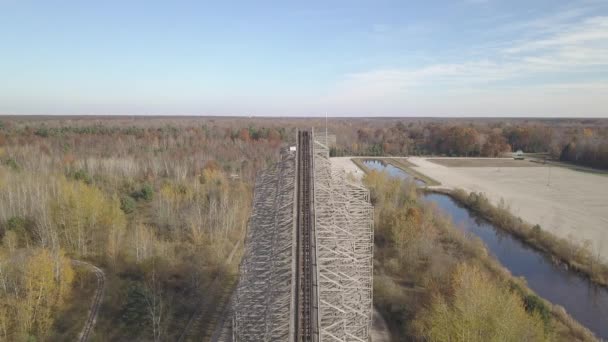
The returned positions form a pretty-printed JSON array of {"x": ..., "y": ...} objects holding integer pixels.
[
  {"x": 586, "y": 150},
  {"x": 158, "y": 206},
  {"x": 434, "y": 283},
  {"x": 250, "y": 132},
  {"x": 582, "y": 145},
  {"x": 579, "y": 141}
]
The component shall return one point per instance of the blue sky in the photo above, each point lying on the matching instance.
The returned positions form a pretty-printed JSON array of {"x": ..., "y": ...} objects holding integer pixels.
[{"x": 347, "y": 58}]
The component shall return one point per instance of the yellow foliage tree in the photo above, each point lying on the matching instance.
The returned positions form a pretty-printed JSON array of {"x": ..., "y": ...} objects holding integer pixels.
[
  {"x": 38, "y": 288},
  {"x": 481, "y": 309},
  {"x": 87, "y": 222},
  {"x": 399, "y": 219},
  {"x": 115, "y": 221}
]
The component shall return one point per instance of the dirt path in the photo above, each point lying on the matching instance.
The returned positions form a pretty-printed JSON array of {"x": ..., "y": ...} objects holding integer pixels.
[{"x": 87, "y": 330}]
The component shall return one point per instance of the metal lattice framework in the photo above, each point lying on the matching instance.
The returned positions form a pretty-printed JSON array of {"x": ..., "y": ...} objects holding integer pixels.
[
  {"x": 263, "y": 299},
  {"x": 344, "y": 234}
]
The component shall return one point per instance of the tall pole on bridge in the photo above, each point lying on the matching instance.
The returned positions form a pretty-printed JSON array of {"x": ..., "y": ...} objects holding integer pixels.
[{"x": 326, "y": 143}]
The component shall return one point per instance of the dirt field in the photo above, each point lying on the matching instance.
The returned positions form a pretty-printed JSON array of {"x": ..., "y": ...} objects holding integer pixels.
[
  {"x": 483, "y": 162},
  {"x": 346, "y": 164},
  {"x": 568, "y": 203}
]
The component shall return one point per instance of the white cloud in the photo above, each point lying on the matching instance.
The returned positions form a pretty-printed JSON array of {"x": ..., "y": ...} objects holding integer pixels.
[
  {"x": 529, "y": 70},
  {"x": 588, "y": 31}
]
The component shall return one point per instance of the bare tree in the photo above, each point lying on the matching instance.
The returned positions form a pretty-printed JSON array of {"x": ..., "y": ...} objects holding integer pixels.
[{"x": 155, "y": 302}]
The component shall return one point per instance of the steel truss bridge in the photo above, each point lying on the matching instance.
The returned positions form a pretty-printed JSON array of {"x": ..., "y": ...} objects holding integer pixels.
[{"x": 306, "y": 274}]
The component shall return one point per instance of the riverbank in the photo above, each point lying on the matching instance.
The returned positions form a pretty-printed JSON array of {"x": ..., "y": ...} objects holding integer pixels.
[
  {"x": 569, "y": 204},
  {"x": 573, "y": 256},
  {"x": 566, "y": 322},
  {"x": 583, "y": 257},
  {"x": 417, "y": 252},
  {"x": 400, "y": 163}
]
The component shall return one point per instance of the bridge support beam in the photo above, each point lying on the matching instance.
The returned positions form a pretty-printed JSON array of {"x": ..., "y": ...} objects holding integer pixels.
[
  {"x": 345, "y": 241},
  {"x": 307, "y": 271}
]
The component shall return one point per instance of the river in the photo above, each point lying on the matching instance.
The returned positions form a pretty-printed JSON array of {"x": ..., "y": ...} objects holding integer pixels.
[{"x": 584, "y": 301}]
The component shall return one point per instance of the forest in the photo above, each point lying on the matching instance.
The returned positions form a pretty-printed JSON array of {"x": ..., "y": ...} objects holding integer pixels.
[
  {"x": 158, "y": 206},
  {"x": 161, "y": 205},
  {"x": 579, "y": 143}
]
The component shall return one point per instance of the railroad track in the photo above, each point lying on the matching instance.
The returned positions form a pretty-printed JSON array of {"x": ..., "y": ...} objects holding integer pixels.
[
  {"x": 87, "y": 330},
  {"x": 304, "y": 316}
]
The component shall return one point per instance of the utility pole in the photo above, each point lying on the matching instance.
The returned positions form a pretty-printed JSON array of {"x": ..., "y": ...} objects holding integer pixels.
[{"x": 326, "y": 142}]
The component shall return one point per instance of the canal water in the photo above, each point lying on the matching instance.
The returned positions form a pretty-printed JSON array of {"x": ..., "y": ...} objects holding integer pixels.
[
  {"x": 379, "y": 165},
  {"x": 583, "y": 300}
]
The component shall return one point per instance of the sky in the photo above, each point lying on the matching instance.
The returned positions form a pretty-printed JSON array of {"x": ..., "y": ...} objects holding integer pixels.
[{"x": 459, "y": 58}]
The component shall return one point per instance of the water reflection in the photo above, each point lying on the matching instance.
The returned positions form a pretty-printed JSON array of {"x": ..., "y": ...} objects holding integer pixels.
[
  {"x": 585, "y": 301},
  {"x": 379, "y": 165}
]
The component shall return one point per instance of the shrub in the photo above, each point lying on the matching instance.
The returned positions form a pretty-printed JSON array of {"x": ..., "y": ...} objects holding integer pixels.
[
  {"x": 81, "y": 175},
  {"x": 536, "y": 230},
  {"x": 127, "y": 204},
  {"x": 15, "y": 223},
  {"x": 22, "y": 228},
  {"x": 534, "y": 304},
  {"x": 146, "y": 193},
  {"x": 12, "y": 164},
  {"x": 134, "y": 310},
  {"x": 42, "y": 132}
]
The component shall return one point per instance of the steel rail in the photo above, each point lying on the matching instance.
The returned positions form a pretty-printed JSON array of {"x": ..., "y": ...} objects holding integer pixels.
[{"x": 304, "y": 278}]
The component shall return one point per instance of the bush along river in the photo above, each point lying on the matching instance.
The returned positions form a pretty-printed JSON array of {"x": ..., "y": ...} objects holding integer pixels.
[{"x": 584, "y": 301}]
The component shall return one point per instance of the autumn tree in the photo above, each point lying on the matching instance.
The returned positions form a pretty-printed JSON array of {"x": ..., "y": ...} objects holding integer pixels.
[
  {"x": 480, "y": 309},
  {"x": 87, "y": 222},
  {"x": 495, "y": 145},
  {"x": 35, "y": 285}
]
